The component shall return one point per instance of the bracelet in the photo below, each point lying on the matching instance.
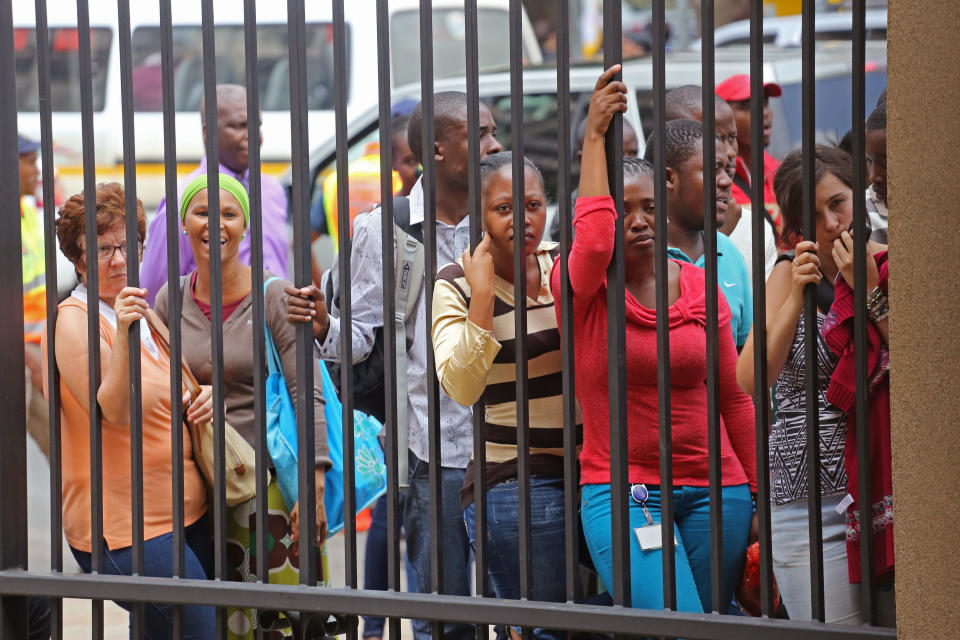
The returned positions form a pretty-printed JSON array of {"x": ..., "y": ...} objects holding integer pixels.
[{"x": 878, "y": 305}]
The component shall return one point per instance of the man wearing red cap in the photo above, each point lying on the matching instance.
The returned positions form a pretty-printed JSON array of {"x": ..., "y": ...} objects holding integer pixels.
[{"x": 736, "y": 91}]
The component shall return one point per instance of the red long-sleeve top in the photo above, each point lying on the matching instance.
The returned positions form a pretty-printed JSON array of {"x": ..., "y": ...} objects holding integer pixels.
[{"x": 589, "y": 257}]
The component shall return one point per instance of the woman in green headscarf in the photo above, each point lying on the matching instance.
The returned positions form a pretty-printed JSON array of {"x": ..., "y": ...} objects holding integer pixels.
[{"x": 195, "y": 292}]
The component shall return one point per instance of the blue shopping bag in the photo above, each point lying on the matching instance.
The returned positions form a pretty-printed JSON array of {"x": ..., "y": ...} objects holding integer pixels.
[
  {"x": 370, "y": 468},
  {"x": 281, "y": 422}
]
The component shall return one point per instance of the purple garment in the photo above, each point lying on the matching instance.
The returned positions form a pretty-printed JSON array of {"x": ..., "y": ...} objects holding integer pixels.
[{"x": 276, "y": 246}]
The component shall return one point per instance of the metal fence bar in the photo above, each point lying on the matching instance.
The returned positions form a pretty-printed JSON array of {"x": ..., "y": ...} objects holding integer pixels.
[
  {"x": 715, "y": 471},
  {"x": 761, "y": 396},
  {"x": 392, "y": 395},
  {"x": 520, "y": 301},
  {"x": 221, "y": 567},
  {"x": 257, "y": 280},
  {"x": 861, "y": 407},
  {"x": 300, "y": 210},
  {"x": 474, "y": 197},
  {"x": 663, "y": 307},
  {"x": 50, "y": 258},
  {"x": 810, "y": 315},
  {"x": 343, "y": 224},
  {"x": 430, "y": 273},
  {"x": 93, "y": 314},
  {"x": 173, "y": 301},
  {"x": 575, "y": 617},
  {"x": 616, "y": 329},
  {"x": 571, "y": 507},
  {"x": 137, "y": 629},
  {"x": 13, "y": 463}
]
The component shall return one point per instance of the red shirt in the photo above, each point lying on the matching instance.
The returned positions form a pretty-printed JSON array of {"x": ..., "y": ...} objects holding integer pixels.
[
  {"x": 741, "y": 185},
  {"x": 589, "y": 257}
]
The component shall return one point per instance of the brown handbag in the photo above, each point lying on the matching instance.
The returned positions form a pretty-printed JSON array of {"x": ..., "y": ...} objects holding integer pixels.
[{"x": 240, "y": 472}]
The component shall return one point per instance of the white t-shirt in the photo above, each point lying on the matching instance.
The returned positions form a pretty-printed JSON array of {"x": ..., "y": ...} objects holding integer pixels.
[{"x": 742, "y": 237}]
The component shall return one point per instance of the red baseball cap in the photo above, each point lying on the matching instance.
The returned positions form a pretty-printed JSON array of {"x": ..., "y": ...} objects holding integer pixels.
[{"x": 737, "y": 88}]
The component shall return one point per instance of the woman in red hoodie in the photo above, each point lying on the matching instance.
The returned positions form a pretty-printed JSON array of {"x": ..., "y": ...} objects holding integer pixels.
[{"x": 592, "y": 250}]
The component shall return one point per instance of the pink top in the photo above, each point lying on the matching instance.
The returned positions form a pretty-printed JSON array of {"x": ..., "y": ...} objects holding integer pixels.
[{"x": 591, "y": 254}]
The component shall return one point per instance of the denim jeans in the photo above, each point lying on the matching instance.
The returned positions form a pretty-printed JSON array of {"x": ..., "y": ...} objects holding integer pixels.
[
  {"x": 454, "y": 544},
  {"x": 375, "y": 563},
  {"x": 691, "y": 507},
  {"x": 503, "y": 541},
  {"x": 198, "y": 622}
]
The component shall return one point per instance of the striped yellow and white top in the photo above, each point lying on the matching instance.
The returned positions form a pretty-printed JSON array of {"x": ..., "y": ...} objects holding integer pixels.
[{"x": 473, "y": 363}]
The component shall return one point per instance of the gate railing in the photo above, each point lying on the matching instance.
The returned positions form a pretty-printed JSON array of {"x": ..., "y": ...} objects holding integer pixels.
[{"x": 16, "y": 583}]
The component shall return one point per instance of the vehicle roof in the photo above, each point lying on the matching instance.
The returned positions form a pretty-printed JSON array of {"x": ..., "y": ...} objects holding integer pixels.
[{"x": 64, "y": 12}]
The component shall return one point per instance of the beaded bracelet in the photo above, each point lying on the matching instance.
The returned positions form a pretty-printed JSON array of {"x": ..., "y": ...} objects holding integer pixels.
[{"x": 878, "y": 306}]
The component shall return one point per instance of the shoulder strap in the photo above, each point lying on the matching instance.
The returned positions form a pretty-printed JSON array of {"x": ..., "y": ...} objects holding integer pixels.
[
  {"x": 409, "y": 278},
  {"x": 273, "y": 356}
]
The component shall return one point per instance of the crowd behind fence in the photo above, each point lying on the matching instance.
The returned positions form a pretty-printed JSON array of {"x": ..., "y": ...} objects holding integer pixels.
[{"x": 447, "y": 612}]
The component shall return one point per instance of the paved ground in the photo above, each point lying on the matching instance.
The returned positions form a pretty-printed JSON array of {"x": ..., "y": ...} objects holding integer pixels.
[{"x": 77, "y": 613}]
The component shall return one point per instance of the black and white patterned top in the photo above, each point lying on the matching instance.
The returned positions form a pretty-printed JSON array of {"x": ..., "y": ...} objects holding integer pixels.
[{"x": 788, "y": 437}]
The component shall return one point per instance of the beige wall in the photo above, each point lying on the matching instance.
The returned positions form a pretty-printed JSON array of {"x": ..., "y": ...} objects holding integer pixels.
[{"x": 924, "y": 167}]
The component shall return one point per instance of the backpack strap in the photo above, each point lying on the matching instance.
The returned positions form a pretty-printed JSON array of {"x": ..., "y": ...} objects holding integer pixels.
[{"x": 409, "y": 279}]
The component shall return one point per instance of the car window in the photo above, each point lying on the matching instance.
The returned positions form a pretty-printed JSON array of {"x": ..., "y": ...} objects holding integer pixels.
[
  {"x": 273, "y": 69},
  {"x": 449, "y": 45},
  {"x": 833, "y": 97},
  {"x": 540, "y": 131},
  {"x": 64, "y": 68}
]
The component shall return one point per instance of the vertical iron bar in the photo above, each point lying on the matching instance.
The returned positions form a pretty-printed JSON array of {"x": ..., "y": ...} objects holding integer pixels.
[
  {"x": 761, "y": 396},
  {"x": 343, "y": 224},
  {"x": 173, "y": 275},
  {"x": 862, "y": 407},
  {"x": 571, "y": 508},
  {"x": 93, "y": 313},
  {"x": 712, "y": 308},
  {"x": 520, "y": 298},
  {"x": 50, "y": 262},
  {"x": 810, "y": 315},
  {"x": 430, "y": 249},
  {"x": 257, "y": 279},
  {"x": 216, "y": 303},
  {"x": 476, "y": 219},
  {"x": 300, "y": 209},
  {"x": 616, "y": 329},
  {"x": 13, "y": 462},
  {"x": 137, "y": 629},
  {"x": 663, "y": 307},
  {"x": 430, "y": 254},
  {"x": 393, "y": 395}
]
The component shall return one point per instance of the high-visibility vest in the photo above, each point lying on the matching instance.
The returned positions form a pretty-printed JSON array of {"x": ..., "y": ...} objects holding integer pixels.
[
  {"x": 34, "y": 276},
  {"x": 364, "y": 189}
]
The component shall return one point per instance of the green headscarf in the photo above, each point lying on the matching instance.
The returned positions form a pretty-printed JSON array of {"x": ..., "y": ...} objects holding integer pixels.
[{"x": 228, "y": 183}]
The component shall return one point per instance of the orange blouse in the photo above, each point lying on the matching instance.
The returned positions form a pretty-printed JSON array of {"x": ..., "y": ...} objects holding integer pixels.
[{"x": 157, "y": 452}]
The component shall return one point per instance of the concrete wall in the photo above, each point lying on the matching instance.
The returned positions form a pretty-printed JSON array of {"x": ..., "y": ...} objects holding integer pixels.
[{"x": 923, "y": 140}]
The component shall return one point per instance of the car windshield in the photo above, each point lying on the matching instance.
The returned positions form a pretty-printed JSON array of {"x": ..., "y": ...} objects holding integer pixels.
[
  {"x": 273, "y": 69},
  {"x": 64, "y": 68},
  {"x": 449, "y": 46}
]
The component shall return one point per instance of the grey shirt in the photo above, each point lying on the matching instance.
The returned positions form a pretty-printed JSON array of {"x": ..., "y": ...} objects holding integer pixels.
[
  {"x": 366, "y": 268},
  {"x": 238, "y": 374}
]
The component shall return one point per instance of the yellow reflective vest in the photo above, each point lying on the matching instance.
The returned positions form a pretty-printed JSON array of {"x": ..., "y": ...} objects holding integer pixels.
[
  {"x": 364, "y": 189},
  {"x": 34, "y": 276}
]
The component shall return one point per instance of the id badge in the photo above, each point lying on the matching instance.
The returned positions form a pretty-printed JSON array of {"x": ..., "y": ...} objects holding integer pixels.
[{"x": 650, "y": 537}]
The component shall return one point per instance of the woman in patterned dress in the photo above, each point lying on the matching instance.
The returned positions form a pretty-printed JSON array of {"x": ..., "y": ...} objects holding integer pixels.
[
  {"x": 811, "y": 262},
  {"x": 238, "y": 377}
]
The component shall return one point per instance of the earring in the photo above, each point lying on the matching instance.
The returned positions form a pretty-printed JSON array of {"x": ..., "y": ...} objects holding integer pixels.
[
  {"x": 184, "y": 232},
  {"x": 243, "y": 236}
]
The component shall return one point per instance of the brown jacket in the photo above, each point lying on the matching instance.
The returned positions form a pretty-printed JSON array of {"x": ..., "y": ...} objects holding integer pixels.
[{"x": 238, "y": 374}]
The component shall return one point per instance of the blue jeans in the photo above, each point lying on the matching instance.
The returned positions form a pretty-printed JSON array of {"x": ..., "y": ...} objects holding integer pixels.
[
  {"x": 375, "y": 563},
  {"x": 692, "y": 528},
  {"x": 454, "y": 543},
  {"x": 503, "y": 541},
  {"x": 198, "y": 622}
]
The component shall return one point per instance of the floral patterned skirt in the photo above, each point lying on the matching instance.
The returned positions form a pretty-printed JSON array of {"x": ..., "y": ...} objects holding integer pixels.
[{"x": 283, "y": 558}]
